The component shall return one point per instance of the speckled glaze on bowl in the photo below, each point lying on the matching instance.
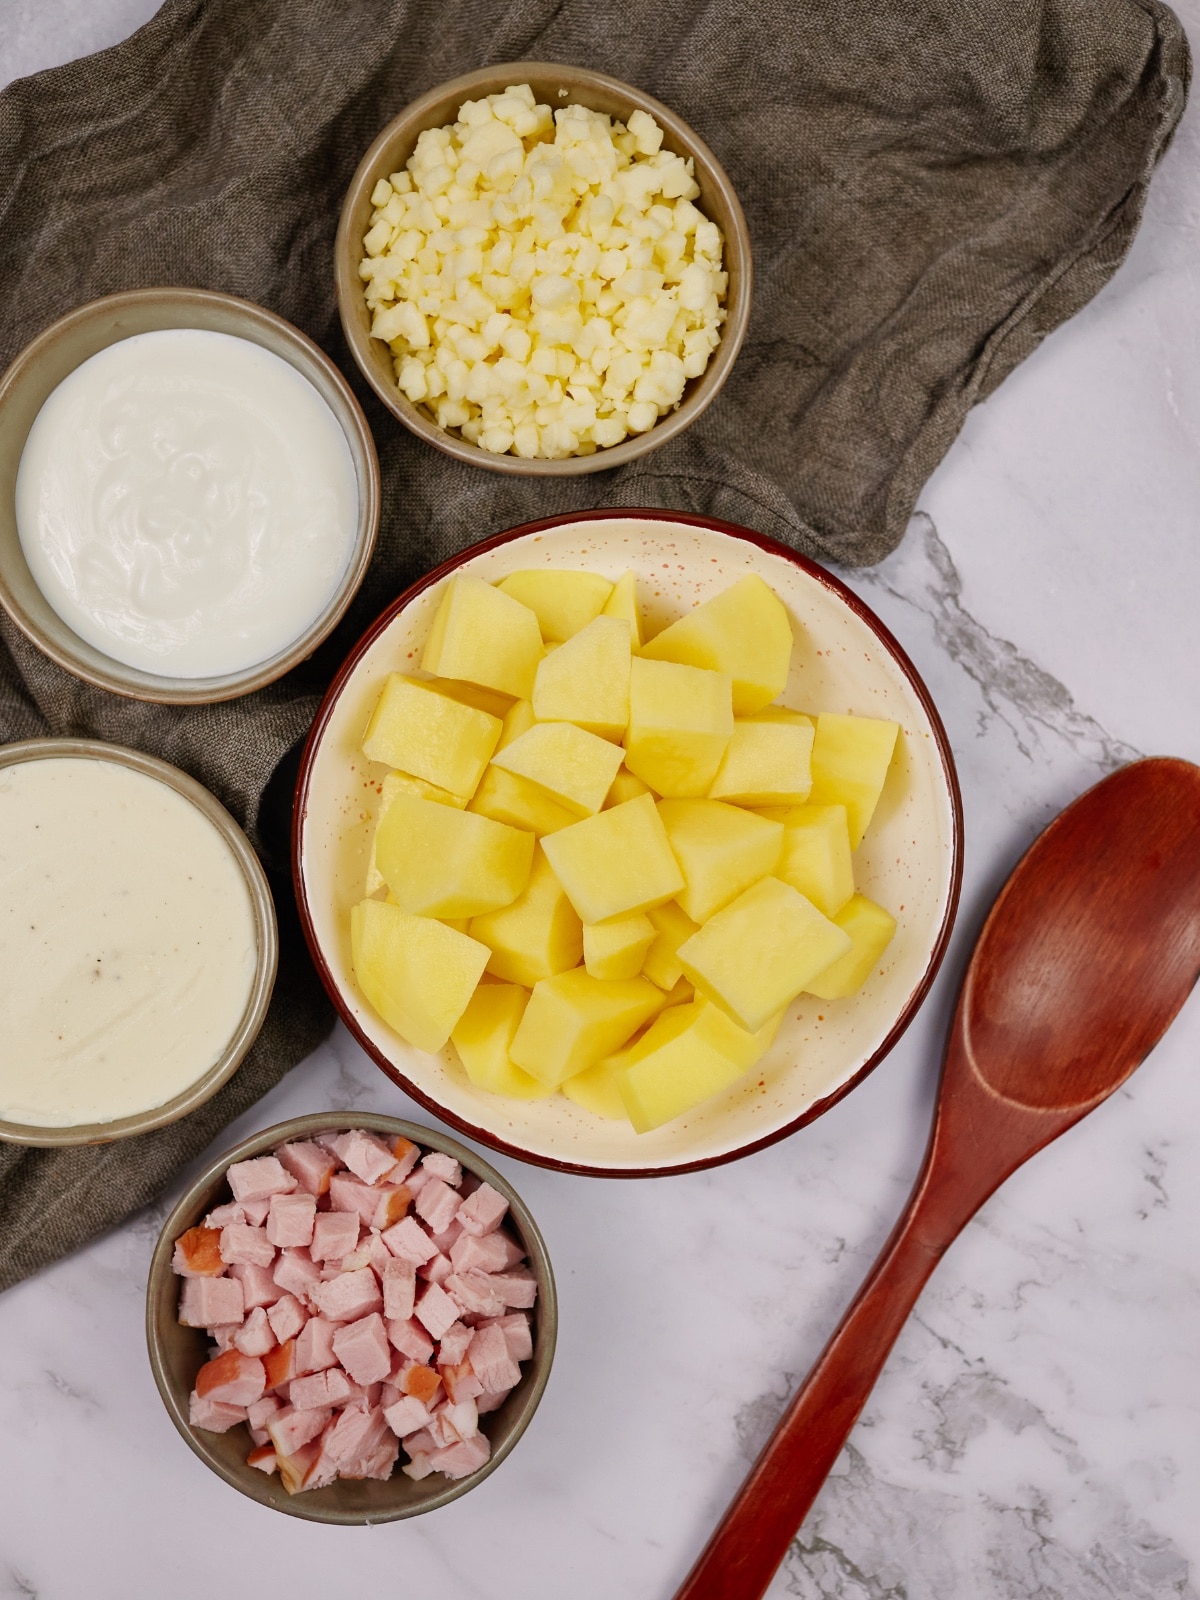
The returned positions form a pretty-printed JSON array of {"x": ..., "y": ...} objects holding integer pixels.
[
  {"x": 265, "y": 929},
  {"x": 177, "y": 1353},
  {"x": 69, "y": 342},
  {"x": 554, "y": 84},
  {"x": 845, "y": 660}
]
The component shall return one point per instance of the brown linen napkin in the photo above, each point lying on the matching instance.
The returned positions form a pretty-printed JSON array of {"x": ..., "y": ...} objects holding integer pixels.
[{"x": 931, "y": 187}]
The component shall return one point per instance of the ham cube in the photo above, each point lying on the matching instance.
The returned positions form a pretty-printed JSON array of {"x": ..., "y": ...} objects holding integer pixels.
[
  {"x": 258, "y": 1284},
  {"x": 410, "y": 1339},
  {"x": 208, "y": 1302},
  {"x": 459, "y": 1420},
  {"x": 198, "y": 1254},
  {"x": 453, "y": 1344},
  {"x": 482, "y": 1212},
  {"x": 406, "y": 1415},
  {"x": 246, "y": 1245},
  {"x": 234, "y": 1378},
  {"x": 440, "y": 1165},
  {"x": 437, "y": 1204},
  {"x": 348, "y": 1296},
  {"x": 256, "y": 1210},
  {"x": 476, "y": 1294},
  {"x": 394, "y": 1201},
  {"x": 334, "y": 1235},
  {"x": 221, "y": 1216},
  {"x": 422, "y": 1382},
  {"x": 460, "y": 1460},
  {"x": 263, "y": 1458},
  {"x": 314, "y": 1345},
  {"x": 518, "y": 1335},
  {"x": 358, "y": 1442},
  {"x": 296, "y": 1472},
  {"x": 293, "y": 1427},
  {"x": 296, "y": 1273},
  {"x": 461, "y": 1382},
  {"x": 290, "y": 1220},
  {"x": 419, "y": 1467},
  {"x": 410, "y": 1242},
  {"x": 378, "y": 1254},
  {"x": 223, "y": 1337},
  {"x": 366, "y": 1155},
  {"x": 255, "y": 1336},
  {"x": 494, "y": 1252},
  {"x": 436, "y": 1311},
  {"x": 491, "y": 1402},
  {"x": 348, "y": 1193},
  {"x": 437, "y": 1270},
  {"x": 519, "y": 1288},
  {"x": 416, "y": 1180},
  {"x": 311, "y": 1166},
  {"x": 489, "y": 1357},
  {"x": 214, "y": 1416},
  {"x": 406, "y": 1156},
  {"x": 261, "y": 1412},
  {"x": 259, "y": 1179},
  {"x": 399, "y": 1289},
  {"x": 362, "y": 1348},
  {"x": 280, "y": 1364},
  {"x": 287, "y": 1316}
]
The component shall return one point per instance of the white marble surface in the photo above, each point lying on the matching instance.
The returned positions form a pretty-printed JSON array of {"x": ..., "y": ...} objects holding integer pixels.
[{"x": 1037, "y": 1430}]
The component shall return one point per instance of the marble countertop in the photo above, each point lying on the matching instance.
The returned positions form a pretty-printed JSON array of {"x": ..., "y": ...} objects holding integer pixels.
[{"x": 1036, "y": 1430}]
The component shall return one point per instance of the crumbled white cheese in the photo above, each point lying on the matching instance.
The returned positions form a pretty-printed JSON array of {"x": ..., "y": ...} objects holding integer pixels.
[{"x": 543, "y": 279}]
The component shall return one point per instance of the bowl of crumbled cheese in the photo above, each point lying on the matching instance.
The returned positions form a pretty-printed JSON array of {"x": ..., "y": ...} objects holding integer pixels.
[{"x": 542, "y": 270}]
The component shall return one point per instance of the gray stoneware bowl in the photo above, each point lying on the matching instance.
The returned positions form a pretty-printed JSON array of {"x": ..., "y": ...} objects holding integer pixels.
[
  {"x": 266, "y": 934},
  {"x": 554, "y": 84},
  {"x": 177, "y": 1353},
  {"x": 65, "y": 345}
]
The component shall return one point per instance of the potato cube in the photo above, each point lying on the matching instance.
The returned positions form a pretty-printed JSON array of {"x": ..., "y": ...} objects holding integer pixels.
[
  {"x": 595, "y": 1089},
  {"x": 474, "y": 694},
  {"x": 816, "y": 854},
  {"x": 444, "y": 863},
  {"x": 722, "y": 850},
  {"x": 418, "y": 974},
  {"x": 400, "y": 783},
  {"x": 625, "y": 786},
  {"x": 616, "y": 949},
  {"x": 485, "y": 637},
  {"x": 870, "y": 928},
  {"x": 672, "y": 925},
  {"x": 563, "y": 602},
  {"x": 505, "y": 797},
  {"x": 622, "y": 602},
  {"x": 687, "y": 1055},
  {"x": 587, "y": 680},
  {"x": 538, "y": 935},
  {"x": 574, "y": 1020},
  {"x": 574, "y": 767},
  {"x": 482, "y": 1037},
  {"x": 850, "y": 759},
  {"x": 616, "y": 862},
  {"x": 757, "y": 954},
  {"x": 768, "y": 762},
  {"x": 680, "y": 721},
  {"x": 427, "y": 735},
  {"x": 743, "y": 631}
]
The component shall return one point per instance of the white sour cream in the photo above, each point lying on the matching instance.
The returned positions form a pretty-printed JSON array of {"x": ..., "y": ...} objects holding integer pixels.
[
  {"x": 186, "y": 502},
  {"x": 128, "y": 943}
]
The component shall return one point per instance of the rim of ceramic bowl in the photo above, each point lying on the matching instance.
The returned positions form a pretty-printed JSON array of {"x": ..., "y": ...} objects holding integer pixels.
[
  {"x": 819, "y": 575},
  {"x": 62, "y": 347},
  {"x": 162, "y": 1301},
  {"x": 266, "y": 937},
  {"x": 393, "y": 145}
]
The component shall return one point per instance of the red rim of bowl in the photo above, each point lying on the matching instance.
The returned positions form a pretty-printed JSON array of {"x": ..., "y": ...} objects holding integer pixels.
[{"x": 651, "y": 514}]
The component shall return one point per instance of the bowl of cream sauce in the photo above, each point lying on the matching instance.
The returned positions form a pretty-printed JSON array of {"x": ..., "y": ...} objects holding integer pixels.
[
  {"x": 189, "y": 494},
  {"x": 138, "y": 942}
]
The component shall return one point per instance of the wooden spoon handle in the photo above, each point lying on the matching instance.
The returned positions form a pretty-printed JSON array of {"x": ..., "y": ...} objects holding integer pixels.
[{"x": 763, "y": 1518}]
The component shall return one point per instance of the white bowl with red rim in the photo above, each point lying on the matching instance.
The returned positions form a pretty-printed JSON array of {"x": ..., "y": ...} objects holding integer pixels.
[{"x": 844, "y": 660}]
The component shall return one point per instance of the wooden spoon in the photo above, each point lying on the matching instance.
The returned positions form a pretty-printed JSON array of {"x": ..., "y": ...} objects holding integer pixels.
[{"x": 1089, "y": 952}]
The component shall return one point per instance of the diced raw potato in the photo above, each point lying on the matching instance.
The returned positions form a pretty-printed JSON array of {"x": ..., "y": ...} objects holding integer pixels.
[
  {"x": 505, "y": 797},
  {"x": 587, "y": 680},
  {"x": 734, "y": 1041},
  {"x": 518, "y": 719},
  {"x": 563, "y": 602},
  {"x": 616, "y": 949},
  {"x": 595, "y": 1089},
  {"x": 680, "y": 721},
  {"x": 616, "y": 862},
  {"x": 482, "y": 1037},
  {"x": 850, "y": 759},
  {"x": 438, "y": 862},
  {"x": 428, "y": 735},
  {"x": 625, "y": 786},
  {"x": 418, "y": 974},
  {"x": 744, "y": 631},
  {"x": 672, "y": 925},
  {"x": 574, "y": 1020},
  {"x": 537, "y": 936},
  {"x": 484, "y": 636},
  {"x": 573, "y": 767},
  {"x": 400, "y": 783},
  {"x": 757, "y": 954},
  {"x": 767, "y": 762},
  {"x": 722, "y": 850},
  {"x": 870, "y": 928},
  {"x": 816, "y": 854},
  {"x": 685, "y": 1056},
  {"x": 622, "y": 602},
  {"x": 473, "y": 694}
]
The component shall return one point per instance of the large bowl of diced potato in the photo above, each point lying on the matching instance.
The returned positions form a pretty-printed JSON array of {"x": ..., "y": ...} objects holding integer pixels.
[{"x": 627, "y": 842}]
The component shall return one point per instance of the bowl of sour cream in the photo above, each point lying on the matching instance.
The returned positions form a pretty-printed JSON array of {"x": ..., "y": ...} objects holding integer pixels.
[
  {"x": 138, "y": 943},
  {"x": 189, "y": 494}
]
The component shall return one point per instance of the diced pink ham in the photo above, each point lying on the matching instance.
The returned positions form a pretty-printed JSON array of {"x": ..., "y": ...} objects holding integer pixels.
[
  {"x": 494, "y": 1252},
  {"x": 410, "y": 1339},
  {"x": 440, "y": 1165},
  {"x": 491, "y": 1402},
  {"x": 410, "y": 1242},
  {"x": 246, "y": 1245},
  {"x": 349, "y": 1296},
  {"x": 461, "y": 1382},
  {"x": 255, "y": 1336},
  {"x": 293, "y": 1427},
  {"x": 407, "y": 1155},
  {"x": 221, "y": 1216},
  {"x": 459, "y": 1420},
  {"x": 519, "y": 1288},
  {"x": 334, "y": 1235},
  {"x": 311, "y": 1166},
  {"x": 435, "y": 1310},
  {"x": 258, "y": 1284},
  {"x": 421, "y": 1381},
  {"x": 419, "y": 1467},
  {"x": 214, "y": 1416},
  {"x": 290, "y": 1220},
  {"x": 517, "y": 1335},
  {"x": 197, "y": 1254},
  {"x": 299, "y": 1471},
  {"x": 437, "y": 1204},
  {"x": 490, "y": 1359},
  {"x": 437, "y": 1270},
  {"x": 394, "y": 1201},
  {"x": 354, "y": 1442},
  {"x": 236, "y": 1379},
  {"x": 377, "y": 1253},
  {"x": 366, "y": 1155},
  {"x": 482, "y": 1212},
  {"x": 314, "y": 1345},
  {"x": 416, "y": 1180},
  {"x": 264, "y": 1457},
  {"x": 208, "y": 1302},
  {"x": 259, "y": 1179},
  {"x": 399, "y": 1289},
  {"x": 280, "y": 1365},
  {"x": 261, "y": 1412},
  {"x": 460, "y": 1460},
  {"x": 406, "y": 1415},
  {"x": 476, "y": 1293},
  {"x": 296, "y": 1273},
  {"x": 223, "y": 1336},
  {"x": 287, "y": 1316},
  {"x": 256, "y": 1210},
  {"x": 453, "y": 1345},
  {"x": 362, "y": 1348},
  {"x": 348, "y": 1193}
]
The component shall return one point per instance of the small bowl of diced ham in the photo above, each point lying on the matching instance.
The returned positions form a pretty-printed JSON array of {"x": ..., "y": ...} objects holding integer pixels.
[{"x": 351, "y": 1319}]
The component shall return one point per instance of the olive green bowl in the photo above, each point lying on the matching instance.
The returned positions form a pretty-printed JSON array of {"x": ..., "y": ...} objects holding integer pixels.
[
  {"x": 177, "y": 1353},
  {"x": 555, "y": 84}
]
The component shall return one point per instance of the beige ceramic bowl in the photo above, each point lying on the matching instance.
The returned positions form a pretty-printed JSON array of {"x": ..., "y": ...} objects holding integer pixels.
[
  {"x": 266, "y": 938},
  {"x": 65, "y": 345},
  {"x": 177, "y": 1353},
  {"x": 553, "y": 84},
  {"x": 844, "y": 660}
]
